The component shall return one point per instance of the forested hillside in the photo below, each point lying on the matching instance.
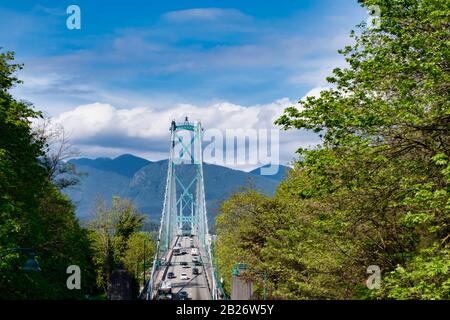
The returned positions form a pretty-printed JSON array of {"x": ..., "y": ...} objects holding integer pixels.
[{"x": 144, "y": 183}]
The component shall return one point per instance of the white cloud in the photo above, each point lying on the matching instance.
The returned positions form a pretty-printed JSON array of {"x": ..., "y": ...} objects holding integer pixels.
[
  {"x": 100, "y": 129},
  {"x": 145, "y": 122}
]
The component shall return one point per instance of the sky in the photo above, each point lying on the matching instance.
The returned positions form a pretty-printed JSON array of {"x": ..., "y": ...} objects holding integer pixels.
[{"x": 116, "y": 83}]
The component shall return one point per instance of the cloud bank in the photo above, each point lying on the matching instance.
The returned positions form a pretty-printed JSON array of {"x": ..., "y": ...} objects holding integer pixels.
[{"x": 102, "y": 129}]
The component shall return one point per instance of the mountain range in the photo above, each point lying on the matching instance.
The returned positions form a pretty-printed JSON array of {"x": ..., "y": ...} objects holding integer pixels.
[{"x": 143, "y": 182}]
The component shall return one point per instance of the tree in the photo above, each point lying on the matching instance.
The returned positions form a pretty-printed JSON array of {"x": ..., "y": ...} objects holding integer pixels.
[
  {"x": 139, "y": 254},
  {"x": 33, "y": 213},
  {"x": 382, "y": 172},
  {"x": 248, "y": 227},
  {"x": 111, "y": 231},
  {"x": 377, "y": 190},
  {"x": 58, "y": 150}
]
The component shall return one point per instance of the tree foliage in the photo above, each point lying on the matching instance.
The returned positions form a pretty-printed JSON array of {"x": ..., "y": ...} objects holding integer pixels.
[
  {"x": 33, "y": 213},
  {"x": 139, "y": 255},
  {"x": 117, "y": 240},
  {"x": 376, "y": 192}
]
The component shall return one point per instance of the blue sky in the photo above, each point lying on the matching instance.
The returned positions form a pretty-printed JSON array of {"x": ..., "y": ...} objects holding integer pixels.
[{"x": 132, "y": 57}]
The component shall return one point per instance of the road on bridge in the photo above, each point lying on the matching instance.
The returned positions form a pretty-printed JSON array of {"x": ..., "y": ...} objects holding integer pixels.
[{"x": 197, "y": 289}]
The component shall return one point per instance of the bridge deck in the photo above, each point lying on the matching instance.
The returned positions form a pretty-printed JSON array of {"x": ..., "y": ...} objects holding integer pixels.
[{"x": 197, "y": 286}]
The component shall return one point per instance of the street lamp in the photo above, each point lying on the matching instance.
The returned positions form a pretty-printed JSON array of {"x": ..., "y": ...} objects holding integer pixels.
[{"x": 31, "y": 264}]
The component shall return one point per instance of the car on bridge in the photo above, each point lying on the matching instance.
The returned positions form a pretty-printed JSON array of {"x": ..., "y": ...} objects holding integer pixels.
[
  {"x": 194, "y": 252},
  {"x": 195, "y": 271},
  {"x": 171, "y": 275},
  {"x": 183, "y": 295},
  {"x": 184, "y": 276}
]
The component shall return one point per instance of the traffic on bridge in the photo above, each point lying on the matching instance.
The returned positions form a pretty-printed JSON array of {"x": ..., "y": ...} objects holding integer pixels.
[{"x": 182, "y": 266}]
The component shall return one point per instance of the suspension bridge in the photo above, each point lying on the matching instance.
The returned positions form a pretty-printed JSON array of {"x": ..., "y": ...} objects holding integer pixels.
[{"x": 183, "y": 263}]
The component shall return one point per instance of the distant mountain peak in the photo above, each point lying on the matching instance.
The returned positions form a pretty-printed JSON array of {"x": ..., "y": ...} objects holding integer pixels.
[
  {"x": 129, "y": 156},
  {"x": 125, "y": 164},
  {"x": 146, "y": 187}
]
